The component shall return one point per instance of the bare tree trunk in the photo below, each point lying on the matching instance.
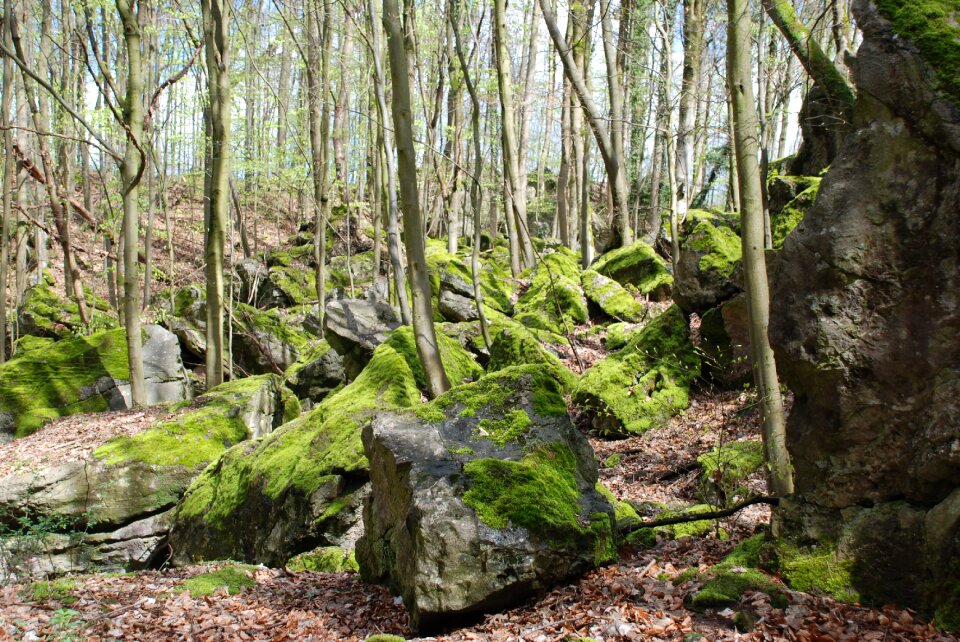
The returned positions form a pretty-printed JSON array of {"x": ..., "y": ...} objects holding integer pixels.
[
  {"x": 424, "y": 331},
  {"x": 216, "y": 28},
  {"x": 8, "y": 178},
  {"x": 340, "y": 112},
  {"x": 386, "y": 140},
  {"x": 131, "y": 170},
  {"x": 692, "y": 52},
  {"x": 758, "y": 297},
  {"x": 621, "y": 213}
]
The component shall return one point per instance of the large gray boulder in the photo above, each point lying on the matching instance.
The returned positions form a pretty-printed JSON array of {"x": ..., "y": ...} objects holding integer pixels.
[
  {"x": 481, "y": 498},
  {"x": 456, "y": 307},
  {"x": 355, "y": 327},
  {"x": 705, "y": 273},
  {"x": 865, "y": 317}
]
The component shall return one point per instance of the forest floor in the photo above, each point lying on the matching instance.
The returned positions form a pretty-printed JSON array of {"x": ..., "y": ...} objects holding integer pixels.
[{"x": 635, "y": 599}]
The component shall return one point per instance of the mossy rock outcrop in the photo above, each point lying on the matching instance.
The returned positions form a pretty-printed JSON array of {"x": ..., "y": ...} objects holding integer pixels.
[
  {"x": 316, "y": 373},
  {"x": 725, "y": 584},
  {"x": 648, "y": 537},
  {"x": 85, "y": 374},
  {"x": 326, "y": 559},
  {"x": 724, "y": 470},
  {"x": 783, "y": 221},
  {"x": 481, "y": 497},
  {"x": 452, "y": 273},
  {"x": 638, "y": 265},
  {"x": 44, "y": 313},
  {"x": 725, "y": 344},
  {"x": 554, "y": 301},
  {"x": 611, "y": 299},
  {"x": 704, "y": 277},
  {"x": 514, "y": 345},
  {"x": 644, "y": 384},
  {"x": 114, "y": 508},
  {"x": 266, "y": 500}
]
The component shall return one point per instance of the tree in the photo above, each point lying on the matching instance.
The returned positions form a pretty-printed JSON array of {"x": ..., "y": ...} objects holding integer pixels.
[
  {"x": 8, "y": 175},
  {"x": 131, "y": 171},
  {"x": 216, "y": 32},
  {"x": 740, "y": 83},
  {"x": 424, "y": 332}
]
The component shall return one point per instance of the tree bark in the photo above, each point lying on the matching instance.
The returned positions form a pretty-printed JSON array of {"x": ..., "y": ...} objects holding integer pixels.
[
  {"x": 8, "y": 176},
  {"x": 740, "y": 82},
  {"x": 424, "y": 331},
  {"x": 693, "y": 11}
]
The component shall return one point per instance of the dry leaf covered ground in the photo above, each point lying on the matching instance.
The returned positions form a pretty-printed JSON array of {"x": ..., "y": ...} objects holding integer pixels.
[{"x": 640, "y": 598}]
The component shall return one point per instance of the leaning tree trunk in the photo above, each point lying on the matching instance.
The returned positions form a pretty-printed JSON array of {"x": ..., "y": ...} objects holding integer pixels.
[
  {"x": 740, "y": 82},
  {"x": 131, "y": 171},
  {"x": 424, "y": 331}
]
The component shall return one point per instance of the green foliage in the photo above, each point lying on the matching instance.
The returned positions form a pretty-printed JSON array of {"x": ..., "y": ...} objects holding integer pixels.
[
  {"x": 645, "y": 383},
  {"x": 326, "y": 559},
  {"x": 199, "y": 436},
  {"x": 234, "y": 578},
  {"x": 385, "y": 637},
  {"x": 66, "y": 626},
  {"x": 934, "y": 28},
  {"x": 41, "y": 385}
]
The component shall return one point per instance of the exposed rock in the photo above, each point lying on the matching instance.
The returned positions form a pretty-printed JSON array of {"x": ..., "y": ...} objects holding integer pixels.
[
  {"x": 704, "y": 276},
  {"x": 86, "y": 374},
  {"x": 725, "y": 343},
  {"x": 349, "y": 235},
  {"x": 302, "y": 485},
  {"x": 114, "y": 507},
  {"x": 786, "y": 219},
  {"x": 281, "y": 285},
  {"x": 824, "y": 124},
  {"x": 449, "y": 272},
  {"x": 355, "y": 327},
  {"x": 473, "y": 507},
  {"x": 457, "y": 308},
  {"x": 645, "y": 383},
  {"x": 865, "y": 311},
  {"x": 265, "y": 341},
  {"x": 317, "y": 372},
  {"x": 781, "y": 189},
  {"x": 640, "y": 266}
]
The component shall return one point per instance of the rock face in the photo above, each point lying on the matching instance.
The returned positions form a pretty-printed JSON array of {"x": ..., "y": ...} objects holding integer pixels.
[
  {"x": 119, "y": 500},
  {"x": 318, "y": 372},
  {"x": 86, "y": 374},
  {"x": 473, "y": 507},
  {"x": 865, "y": 318},
  {"x": 355, "y": 327}
]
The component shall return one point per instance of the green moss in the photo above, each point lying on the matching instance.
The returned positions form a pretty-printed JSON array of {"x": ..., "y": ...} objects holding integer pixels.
[
  {"x": 234, "y": 578},
  {"x": 289, "y": 256},
  {"x": 41, "y": 385},
  {"x": 495, "y": 391},
  {"x": 816, "y": 570},
  {"x": 719, "y": 246},
  {"x": 515, "y": 345},
  {"x": 554, "y": 300},
  {"x": 496, "y": 286},
  {"x": 637, "y": 264},
  {"x": 60, "y": 590},
  {"x": 29, "y": 343},
  {"x": 538, "y": 493},
  {"x": 271, "y": 322},
  {"x": 612, "y": 298},
  {"x": 620, "y": 334},
  {"x": 385, "y": 637},
  {"x": 613, "y": 460},
  {"x": 727, "y": 466},
  {"x": 512, "y": 427},
  {"x": 214, "y": 424},
  {"x": 311, "y": 352},
  {"x": 784, "y": 221},
  {"x": 622, "y": 511},
  {"x": 647, "y": 537},
  {"x": 326, "y": 559},
  {"x": 309, "y": 452},
  {"x": 46, "y": 313},
  {"x": 297, "y": 283},
  {"x": 725, "y": 588},
  {"x": 934, "y": 28},
  {"x": 644, "y": 384},
  {"x": 459, "y": 364}
]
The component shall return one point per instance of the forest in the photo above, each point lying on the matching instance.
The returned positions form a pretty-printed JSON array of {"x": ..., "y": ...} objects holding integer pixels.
[{"x": 529, "y": 320}]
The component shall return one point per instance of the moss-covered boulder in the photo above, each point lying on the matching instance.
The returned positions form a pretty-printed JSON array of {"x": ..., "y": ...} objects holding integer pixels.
[
  {"x": 724, "y": 584},
  {"x": 114, "y": 508},
  {"x": 451, "y": 273},
  {"x": 86, "y": 374},
  {"x": 355, "y": 327},
  {"x": 704, "y": 276},
  {"x": 265, "y": 341},
  {"x": 611, "y": 299},
  {"x": 645, "y": 383},
  {"x": 554, "y": 300},
  {"x": 302, "y": 485},
  {"x": 514, "y": 345},
  {"x": 44, "y": 313},
  {"x": 784, "y": 220},
  {"x": 638, "y": 265},
  {"x": 325, "y": 559},
  {"x": 724, "y": 470},
  {"x": 725, "y": 344},
  {"x": 481, "y": 497}
]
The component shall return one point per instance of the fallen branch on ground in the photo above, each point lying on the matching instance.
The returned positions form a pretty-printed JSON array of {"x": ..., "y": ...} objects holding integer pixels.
[{"x": 632, "y": 526}]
